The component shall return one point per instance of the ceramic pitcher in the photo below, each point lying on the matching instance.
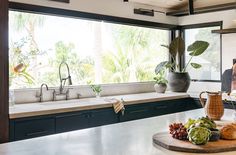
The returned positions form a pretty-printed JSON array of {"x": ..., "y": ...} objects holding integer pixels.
[{"x": 214, "y": 107}]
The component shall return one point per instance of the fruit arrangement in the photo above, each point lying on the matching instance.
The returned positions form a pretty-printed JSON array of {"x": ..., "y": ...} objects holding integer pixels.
[
  {"x": 178, "y": 131},
  {"x": 198, "y": 131}
]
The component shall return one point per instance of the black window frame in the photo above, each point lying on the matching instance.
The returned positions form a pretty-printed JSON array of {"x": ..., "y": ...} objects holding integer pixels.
[
  {"x": 204, "y": 25},
  {"x": 15, "y": 6}
]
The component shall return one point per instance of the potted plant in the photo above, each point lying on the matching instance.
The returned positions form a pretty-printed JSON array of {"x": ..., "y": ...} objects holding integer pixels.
[
  {"x": 160, "y": 82},
  {"x": 97, "y": 90},
  {"x": 178, "y": 78}
]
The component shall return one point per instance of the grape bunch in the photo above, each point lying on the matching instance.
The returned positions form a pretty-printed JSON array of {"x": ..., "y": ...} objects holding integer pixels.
[{"x": 178, "y": 131}]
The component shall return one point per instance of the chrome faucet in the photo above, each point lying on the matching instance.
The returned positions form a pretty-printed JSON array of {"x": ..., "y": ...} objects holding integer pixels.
[
  {"x": 41, "y": 92},
  {"x": 63, "y": 80}
]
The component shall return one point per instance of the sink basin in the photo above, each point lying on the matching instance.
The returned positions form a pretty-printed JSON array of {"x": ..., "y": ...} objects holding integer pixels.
[
  {"x": 59, "y": 102},
  {"x": 84, "y": 101}
]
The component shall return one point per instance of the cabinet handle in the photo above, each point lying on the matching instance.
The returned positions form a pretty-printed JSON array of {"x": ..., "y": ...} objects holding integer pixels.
[
  {"x": 160, "y": 107},
  {"x": 138, "y": 111},
  {"x": 36, "y": 133},
  {"x": 72, "y": 115}
]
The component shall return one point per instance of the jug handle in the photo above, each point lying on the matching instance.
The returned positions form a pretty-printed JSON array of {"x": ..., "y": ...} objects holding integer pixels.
[{"x": 202, "y": 101}]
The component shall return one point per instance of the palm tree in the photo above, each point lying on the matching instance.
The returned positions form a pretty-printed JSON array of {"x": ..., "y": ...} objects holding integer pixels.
[{"x": 133, "y": 59}]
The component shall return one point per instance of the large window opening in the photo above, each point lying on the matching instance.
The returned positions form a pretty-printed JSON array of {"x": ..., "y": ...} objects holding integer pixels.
[
  {"x": 96, "y": 51},
  {"x": 211, "y": 58}
]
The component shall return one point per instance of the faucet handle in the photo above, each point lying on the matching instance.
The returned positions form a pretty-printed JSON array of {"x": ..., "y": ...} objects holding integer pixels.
[{"x": 68, "y": 93}]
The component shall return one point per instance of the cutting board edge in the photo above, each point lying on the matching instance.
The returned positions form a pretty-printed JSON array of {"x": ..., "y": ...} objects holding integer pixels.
[{"x": 189, "y": 150}]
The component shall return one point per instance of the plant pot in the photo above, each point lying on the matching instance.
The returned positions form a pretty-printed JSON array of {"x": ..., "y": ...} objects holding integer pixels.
[
  {"x": 160, "y": 88},
  {"x": 178, "y": 82}
]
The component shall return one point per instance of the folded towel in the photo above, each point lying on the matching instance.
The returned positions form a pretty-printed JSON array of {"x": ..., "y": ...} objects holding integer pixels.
[{"x": 118, "y": 105}]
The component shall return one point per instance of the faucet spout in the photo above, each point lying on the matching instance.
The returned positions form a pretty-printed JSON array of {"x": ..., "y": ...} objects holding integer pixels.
[
  {"x": 63, "y": 80},
  {"x": 41, "y": 91}
]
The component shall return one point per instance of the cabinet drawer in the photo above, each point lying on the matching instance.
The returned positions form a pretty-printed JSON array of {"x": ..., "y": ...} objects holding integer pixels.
[
  {"x": 34, "y": 128},
  {"x": 136, "y": 112},
  {"x": 102, "y": 117},
  {"x": 73, "y": 121}
]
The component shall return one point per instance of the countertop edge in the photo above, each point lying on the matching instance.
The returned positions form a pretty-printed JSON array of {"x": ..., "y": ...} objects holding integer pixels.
[{"x": 30, "y": 113}]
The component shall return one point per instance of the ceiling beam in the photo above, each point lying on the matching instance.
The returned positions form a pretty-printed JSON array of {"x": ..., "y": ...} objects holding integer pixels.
[
  {"x": 213, "y": 8},
  {"x": 62, "y": 1},
  {"x": 190, "y": 7}
]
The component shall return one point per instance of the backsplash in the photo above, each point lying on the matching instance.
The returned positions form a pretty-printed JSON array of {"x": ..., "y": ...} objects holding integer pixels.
[{"x": 83, "y": 91}]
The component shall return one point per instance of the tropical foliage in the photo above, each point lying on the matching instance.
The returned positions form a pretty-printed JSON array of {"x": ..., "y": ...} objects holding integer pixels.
[
  {"x": 177, "y": 50},
  {"x": 132, "y": 55}
]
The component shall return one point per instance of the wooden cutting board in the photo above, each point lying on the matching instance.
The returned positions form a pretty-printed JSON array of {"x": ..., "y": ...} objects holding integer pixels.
[{"x": 165, "y": 140}]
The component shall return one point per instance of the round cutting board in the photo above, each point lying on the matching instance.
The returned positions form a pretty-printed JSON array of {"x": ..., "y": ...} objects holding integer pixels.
[{"x": 165, "y": 140}]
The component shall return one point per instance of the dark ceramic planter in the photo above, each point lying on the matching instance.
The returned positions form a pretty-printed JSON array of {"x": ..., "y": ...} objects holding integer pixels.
[{"x": 178, "y": 82}]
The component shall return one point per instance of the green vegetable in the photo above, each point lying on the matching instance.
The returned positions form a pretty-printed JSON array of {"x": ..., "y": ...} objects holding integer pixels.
[
  {"x": 199, "y": 135},
  {"x": 189, "y": 123},
  {"x": 201, "y": 122},
  {"x": 206, "y": 122}
]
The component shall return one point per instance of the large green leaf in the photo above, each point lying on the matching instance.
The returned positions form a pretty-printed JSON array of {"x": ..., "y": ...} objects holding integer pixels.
[
  {"x": 195, "y": 65},
  {"x": 197, "y": 48},
  {"x": 161, "y": 66},
  {"x": 177, "y": 46}
]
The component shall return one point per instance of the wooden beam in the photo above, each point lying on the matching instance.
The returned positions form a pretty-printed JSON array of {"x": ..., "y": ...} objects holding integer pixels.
[
  {"x": 62, "y": 1},
  {"x": 225, "y": 31},
  {"x": 4, "y": 87},
  {"x": 213, "y": 8},
  {"x": 190, "y": 7}
]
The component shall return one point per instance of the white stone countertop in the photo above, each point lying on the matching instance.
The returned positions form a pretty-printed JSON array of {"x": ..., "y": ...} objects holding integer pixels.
[
  {"x": 44, "y": 108},
  {"x": 128, "y": 138}
]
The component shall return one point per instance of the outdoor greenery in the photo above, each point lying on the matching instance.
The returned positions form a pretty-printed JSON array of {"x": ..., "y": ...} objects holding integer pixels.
[{"x": 132, "y": 56}]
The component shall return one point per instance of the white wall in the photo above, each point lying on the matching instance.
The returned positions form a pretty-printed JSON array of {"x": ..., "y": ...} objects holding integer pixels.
[
  {"x": 228, "y": 42},
  {"x": 106, "y": 7}
]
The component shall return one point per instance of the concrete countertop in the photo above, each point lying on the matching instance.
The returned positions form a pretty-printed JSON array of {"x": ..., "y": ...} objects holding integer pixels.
[
  {"x": 128, "y": 138},
  {"x": 44, "y": 108}
]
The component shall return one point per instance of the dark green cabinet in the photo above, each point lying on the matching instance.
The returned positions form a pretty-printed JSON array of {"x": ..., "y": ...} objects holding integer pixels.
[
  {"x": 36, "y": 126},
  {"x": 85, "y": 119},
  {"x": 69, "y": 122},
  {"x": 145, "y": 110},
  {"x": 102, "y": 117},
  {"x": 133, "y": 112},
  {"x": 24, "y": 129}
]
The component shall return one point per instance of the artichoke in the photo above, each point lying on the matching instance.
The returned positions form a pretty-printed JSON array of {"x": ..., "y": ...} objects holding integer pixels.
[{"x": 199, "y": 135}]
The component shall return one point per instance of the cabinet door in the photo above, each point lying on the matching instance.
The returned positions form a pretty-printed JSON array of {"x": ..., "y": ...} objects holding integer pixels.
[
  {"x": 102, "y": 117},
  {"x": 24, "y": 129},
  {"x": 139, "y": 111},
  {"x": 161, "y": 108},
  {"x": 173, "y": 106},
  {"x": 72, "y": 121}
]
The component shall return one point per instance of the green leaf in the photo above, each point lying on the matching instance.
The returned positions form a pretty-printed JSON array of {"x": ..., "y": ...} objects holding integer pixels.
[
  {"x": 197, "y": 48},
  {"x": 177, "y": 46},
  {"x": 166, "y": 46},
  {"x": 160, "y": 66},
  {"x": 170, "y": 65},
  {"x": 195, "y": 65}
]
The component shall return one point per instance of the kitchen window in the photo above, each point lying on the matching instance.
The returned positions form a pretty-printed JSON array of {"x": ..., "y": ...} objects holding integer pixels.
[
  {"x": 96, "y": 51},
  {"x": 211, "y": 58}
]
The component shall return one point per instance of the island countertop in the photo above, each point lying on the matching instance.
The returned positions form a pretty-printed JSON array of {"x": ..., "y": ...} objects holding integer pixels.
[
  {"x": 44, "y": 108},
  {"x": 128, "y": 138}
]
